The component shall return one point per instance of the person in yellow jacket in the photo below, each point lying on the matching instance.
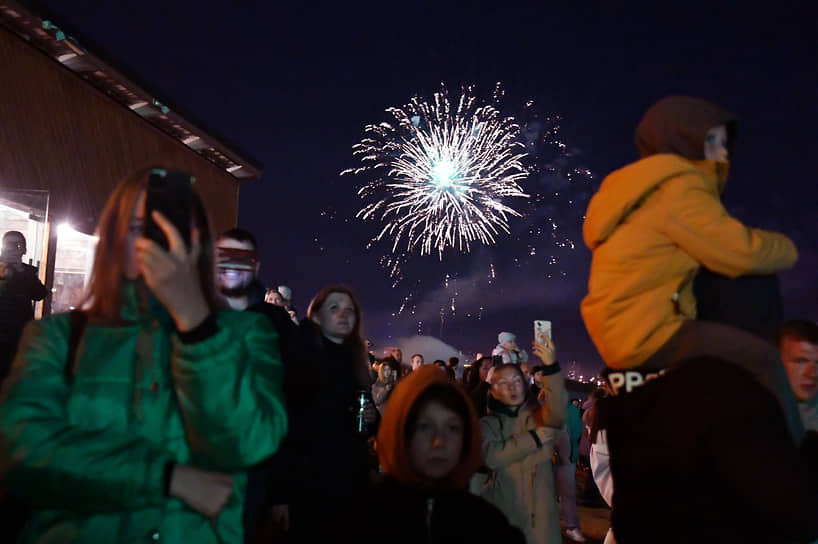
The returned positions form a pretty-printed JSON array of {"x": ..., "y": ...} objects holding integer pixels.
[{"x": 651, "y": 227}]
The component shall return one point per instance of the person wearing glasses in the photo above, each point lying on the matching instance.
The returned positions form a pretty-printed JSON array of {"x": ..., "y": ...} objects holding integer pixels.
[{"x": 518, "y": 443}]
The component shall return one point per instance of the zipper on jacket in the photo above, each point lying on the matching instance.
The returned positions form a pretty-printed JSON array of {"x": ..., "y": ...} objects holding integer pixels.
[
  {"x": 533, "y": 480},
  {"x": 430, "y": 507}
]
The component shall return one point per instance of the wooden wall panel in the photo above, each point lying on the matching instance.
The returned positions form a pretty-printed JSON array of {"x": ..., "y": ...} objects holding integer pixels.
[{"x": 57, "y": 132}]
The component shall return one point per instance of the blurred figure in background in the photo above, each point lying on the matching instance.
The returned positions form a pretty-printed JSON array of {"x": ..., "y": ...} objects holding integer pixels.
[{"x": 19, "y": 287}]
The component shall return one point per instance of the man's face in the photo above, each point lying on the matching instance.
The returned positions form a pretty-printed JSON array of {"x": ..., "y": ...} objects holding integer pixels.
[
  {"x": 417, "y": 361},
  {"x": 14, "y": 246},
  {"x": 234, "y": 283},
  {"x": 801, "y": 362},
  {"x": 526, "y": 372}
]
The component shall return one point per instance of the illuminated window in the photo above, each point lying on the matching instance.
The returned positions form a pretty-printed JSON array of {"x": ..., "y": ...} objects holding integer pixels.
[{"x": 72, "y": 267}]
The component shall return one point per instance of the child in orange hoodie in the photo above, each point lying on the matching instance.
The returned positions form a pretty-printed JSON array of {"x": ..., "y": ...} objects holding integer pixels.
[
  {"x": 429, "y": 447},
  {"x": 700, "y": 450},
  {"x": 651, "y": 227}
]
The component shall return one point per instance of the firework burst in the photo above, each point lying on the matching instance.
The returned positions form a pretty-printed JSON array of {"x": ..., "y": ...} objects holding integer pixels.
[{"x": 442, "y": 173}]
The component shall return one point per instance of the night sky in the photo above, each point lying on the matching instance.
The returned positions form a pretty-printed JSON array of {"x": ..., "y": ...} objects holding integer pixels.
[{"x": 293, "y": 86}]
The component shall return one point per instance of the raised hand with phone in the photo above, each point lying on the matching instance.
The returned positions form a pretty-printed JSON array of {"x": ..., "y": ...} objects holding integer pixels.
[
  {"x": 553, "y": 395},
  {"x": 168, "y": 253}
]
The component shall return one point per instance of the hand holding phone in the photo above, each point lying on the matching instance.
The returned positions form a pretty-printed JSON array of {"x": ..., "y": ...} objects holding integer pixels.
[
  {"x": 168, "y": 253},
  {"x": 542, "y": 329},
  {"x": 170, "y": 192}
]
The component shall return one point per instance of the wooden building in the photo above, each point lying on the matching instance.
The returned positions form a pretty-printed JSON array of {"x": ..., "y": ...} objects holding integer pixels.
[{"x": 71, "y": 126}]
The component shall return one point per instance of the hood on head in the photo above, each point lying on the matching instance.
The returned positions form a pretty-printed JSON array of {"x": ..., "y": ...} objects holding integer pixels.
[
  {"x": 393, "y": 445},
  {"x": 678, "y": 124}
]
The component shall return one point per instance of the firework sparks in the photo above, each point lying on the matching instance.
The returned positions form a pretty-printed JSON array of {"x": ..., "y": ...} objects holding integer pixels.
[{"x": 442, "y": 173}]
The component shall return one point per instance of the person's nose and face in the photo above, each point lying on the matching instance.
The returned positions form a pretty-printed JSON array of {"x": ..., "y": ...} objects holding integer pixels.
[
  {"x": 715, "y": 144},
  {"x": 508, "y": 387},
  {"x": 136, "y": 229},
  {"x": 800, "y": 360},
  {"x": 436, "y": 442},
  {"x": 484, "y": 369},
  {"x": 230, "y": 278},
  {"x": 336, "y": 317}
]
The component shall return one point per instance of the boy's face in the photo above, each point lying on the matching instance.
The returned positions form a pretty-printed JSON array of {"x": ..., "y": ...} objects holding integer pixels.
[
  {"x": 436, "y": 441},
  {"x": 715, "y": 144}
]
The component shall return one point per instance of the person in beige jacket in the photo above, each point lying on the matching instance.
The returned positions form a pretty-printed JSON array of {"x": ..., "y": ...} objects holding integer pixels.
[{"x": 518, "y": 441}]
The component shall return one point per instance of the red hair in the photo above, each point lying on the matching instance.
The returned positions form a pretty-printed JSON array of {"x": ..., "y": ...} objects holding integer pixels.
[
  {"x": 104, "y": 294},
  {"x": 354, "y": 339}
]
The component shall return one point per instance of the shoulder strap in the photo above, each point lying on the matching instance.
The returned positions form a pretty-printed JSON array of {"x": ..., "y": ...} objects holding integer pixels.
[{"x": 78, "y": 322}]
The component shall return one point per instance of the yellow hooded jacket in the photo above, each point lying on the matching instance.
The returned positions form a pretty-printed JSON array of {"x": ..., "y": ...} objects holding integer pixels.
[{"x": 651, "y": 226}]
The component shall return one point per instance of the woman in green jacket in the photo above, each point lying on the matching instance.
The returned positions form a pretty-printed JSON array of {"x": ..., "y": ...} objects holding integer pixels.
[{"x": 144, "y": 434}]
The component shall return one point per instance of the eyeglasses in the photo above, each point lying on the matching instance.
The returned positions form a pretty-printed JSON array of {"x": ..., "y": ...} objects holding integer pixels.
[{"x": 507, "y": 384}]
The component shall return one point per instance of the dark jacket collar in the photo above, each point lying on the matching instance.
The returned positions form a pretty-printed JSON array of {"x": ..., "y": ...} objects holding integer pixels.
[{"x": 497, "y": 407}]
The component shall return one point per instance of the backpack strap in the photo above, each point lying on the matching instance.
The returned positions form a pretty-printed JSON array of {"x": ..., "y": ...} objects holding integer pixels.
[{"x": 78, "y": 321}]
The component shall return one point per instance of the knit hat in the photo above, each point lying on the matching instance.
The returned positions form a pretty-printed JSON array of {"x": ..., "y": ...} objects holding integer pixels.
[
  {"x": 285, "y": 292},
  {"x": 504, "y": 337}
]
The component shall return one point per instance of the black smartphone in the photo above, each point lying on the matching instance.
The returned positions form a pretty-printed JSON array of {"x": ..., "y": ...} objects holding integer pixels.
[{"x": 170, "y": 193}]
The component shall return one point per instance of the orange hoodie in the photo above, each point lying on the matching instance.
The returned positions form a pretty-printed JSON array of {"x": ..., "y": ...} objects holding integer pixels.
[
  {"x": 653, "y": 224},
  {"x": 392, "y": 443}
]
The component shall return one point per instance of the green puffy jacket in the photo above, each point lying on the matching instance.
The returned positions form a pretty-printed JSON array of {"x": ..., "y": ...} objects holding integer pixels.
[{"x": 90, "y": 458}]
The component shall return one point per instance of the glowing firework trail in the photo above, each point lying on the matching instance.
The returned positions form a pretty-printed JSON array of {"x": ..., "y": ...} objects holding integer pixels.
[{"x": 441, "y": 174}]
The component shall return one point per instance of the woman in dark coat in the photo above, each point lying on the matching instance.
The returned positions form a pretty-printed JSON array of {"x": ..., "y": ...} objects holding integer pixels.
[{"x": 325, "y": 462}]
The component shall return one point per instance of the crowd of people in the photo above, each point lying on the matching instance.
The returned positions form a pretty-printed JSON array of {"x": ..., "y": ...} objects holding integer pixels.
[{"x": 184, "y": 402}]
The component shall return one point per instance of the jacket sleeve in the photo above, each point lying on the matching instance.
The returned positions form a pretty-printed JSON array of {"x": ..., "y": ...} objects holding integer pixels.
[
  {"x": 499, "y": 452},
  {"x": 556, "y": 397},
  {"x": 53, "y": 464},
  {"x": 699, "y": 224},
  {"x": 34, "y": 287},
  {"x": 230, "y": 391},
  {"x": 379, "y": 393}
]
